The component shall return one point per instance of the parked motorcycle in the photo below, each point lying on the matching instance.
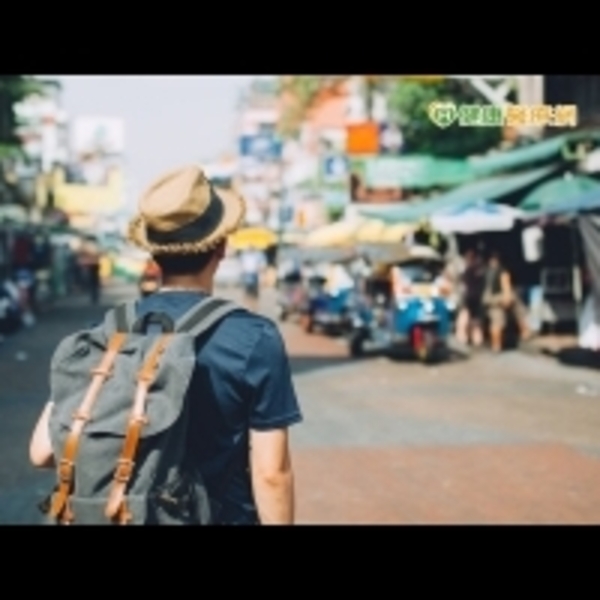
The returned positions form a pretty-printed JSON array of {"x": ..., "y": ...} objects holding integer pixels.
[{"x": 11, "y": 315}]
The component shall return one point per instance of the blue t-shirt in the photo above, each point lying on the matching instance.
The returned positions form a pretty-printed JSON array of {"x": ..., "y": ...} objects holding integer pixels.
[{"x": 242, "y": 381}]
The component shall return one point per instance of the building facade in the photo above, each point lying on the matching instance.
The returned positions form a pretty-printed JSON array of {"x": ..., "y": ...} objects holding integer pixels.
[{"x": 581, "y": 90}]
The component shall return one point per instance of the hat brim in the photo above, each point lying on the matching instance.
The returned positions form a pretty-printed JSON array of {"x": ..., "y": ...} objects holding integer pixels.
[{"x": 233, "y": 217}]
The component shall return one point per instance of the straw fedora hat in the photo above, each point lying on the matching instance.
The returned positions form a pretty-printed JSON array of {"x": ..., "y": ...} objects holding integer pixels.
[{"x": 182, "y": 213}]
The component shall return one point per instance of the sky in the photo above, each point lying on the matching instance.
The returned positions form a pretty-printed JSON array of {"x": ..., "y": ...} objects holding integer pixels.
[{"x": 169, "y": 120}]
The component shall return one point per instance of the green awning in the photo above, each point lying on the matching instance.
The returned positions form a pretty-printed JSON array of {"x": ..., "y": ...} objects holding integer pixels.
[
  {"x": 550, "y": 150},
  {"x": 449, "y": 173},
  {"x": 415, "y": 172},
  {"x": 485, "y": 190},
  {"x": 562, "y": 189}
]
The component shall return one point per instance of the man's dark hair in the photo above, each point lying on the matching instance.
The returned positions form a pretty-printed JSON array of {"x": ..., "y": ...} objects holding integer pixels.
[{"x": 183, "y": 264}]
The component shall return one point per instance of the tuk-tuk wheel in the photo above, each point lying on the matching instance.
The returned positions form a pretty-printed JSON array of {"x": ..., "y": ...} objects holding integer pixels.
[
  {"x": 309, "y": 325},
  {"x": 426, "y": 349},
  {"x": 357, "y": 344}
]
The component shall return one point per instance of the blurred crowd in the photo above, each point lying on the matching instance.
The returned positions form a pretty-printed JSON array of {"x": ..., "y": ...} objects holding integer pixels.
[{"x": 37, "y": 266}]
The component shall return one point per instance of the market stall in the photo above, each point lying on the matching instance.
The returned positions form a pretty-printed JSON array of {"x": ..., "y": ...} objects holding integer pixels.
[
  {"x": 396, "y": 233},
  {"x": 371, "y": 231},
  {"x": 337, "y": 234},
  {"x": 581, "y": 215},
  {"x": 260, "y": 238}
]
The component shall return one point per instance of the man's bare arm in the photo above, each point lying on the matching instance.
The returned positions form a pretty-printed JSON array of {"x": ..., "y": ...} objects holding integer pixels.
[
  {"x": 272, "y": 476},
  {"x": 40, "y": 448}
]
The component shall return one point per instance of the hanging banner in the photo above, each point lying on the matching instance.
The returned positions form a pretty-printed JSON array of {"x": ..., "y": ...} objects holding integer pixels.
[
  {"x": 103, "y": 136},
  {"x": 391, "y": 172},
  {"x": 417, "y": 172},
  {"x": 363, "y": 139},
  {"x": 335, "y": 169},
  {"x": 261, "y": 147},
  {"x": 391, "y": 139}
]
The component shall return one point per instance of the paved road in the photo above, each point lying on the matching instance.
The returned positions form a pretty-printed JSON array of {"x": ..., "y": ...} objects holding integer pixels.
[{"x": 509, "y": 439}]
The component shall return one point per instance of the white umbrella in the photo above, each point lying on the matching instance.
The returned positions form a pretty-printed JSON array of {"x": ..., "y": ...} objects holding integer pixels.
[{"x": 475, "y": 218}]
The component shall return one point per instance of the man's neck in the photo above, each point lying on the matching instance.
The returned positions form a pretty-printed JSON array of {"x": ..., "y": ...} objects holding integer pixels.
[{"x": 186, "y": 282}]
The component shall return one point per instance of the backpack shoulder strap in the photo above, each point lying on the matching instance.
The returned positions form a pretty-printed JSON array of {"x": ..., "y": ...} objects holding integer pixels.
[
  {"x": 122, "y": 318},
  {"x": 204, "y": 315},
  {"x": 199, "y": 319},
  {"x": 116, "y": 507},
  {"x": 60, "y": 508}
]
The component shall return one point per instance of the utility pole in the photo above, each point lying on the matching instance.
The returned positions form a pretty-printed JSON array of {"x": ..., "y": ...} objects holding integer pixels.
[
  {"x": 530, "y": 89},
  {"x": 530, "y": 92}
]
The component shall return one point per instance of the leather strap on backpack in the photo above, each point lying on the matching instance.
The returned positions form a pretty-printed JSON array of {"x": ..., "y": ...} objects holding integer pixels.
[
  {"x": 116, "y": 507},
  {"x": 60, "y": 507},
  {"x": 199, "y": 319}
]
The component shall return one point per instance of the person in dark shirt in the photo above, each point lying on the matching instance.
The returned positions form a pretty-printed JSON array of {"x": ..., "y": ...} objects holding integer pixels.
[
  {"x": 241, "y": 396},
  {"x": 472, "y": 312}
]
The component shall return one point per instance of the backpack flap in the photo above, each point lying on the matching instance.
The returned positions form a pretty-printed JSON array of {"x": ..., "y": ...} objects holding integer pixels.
[
  {"x": 70, "y": 377},
  {"x": 102, "y": 438}
]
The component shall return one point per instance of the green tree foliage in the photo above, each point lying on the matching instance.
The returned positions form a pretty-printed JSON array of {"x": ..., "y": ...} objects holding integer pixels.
[
  {"x": 13, "y": 89},
  {"x": 335, "y": 213},
  {"x": 409, "y": 101}
]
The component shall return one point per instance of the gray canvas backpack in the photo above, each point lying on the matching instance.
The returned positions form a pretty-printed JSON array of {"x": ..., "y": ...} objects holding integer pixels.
[{"x": 119, "y": 422}]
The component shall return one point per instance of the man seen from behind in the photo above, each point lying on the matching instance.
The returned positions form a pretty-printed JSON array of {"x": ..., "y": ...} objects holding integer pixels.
[{"x": 241, "y": 396}]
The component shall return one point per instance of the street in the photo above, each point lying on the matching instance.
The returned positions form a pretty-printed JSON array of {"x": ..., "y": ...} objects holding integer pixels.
[{"x": 491, "y": 440}]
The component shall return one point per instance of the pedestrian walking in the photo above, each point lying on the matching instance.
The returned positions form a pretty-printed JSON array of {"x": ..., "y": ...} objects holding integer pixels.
[
  {"x": 500, "y": 299},
  {"x": 23, "y": 273},
  {"x": 207, "y": 440},
  {"x": 471, "y": 313},
  {"x": 253, "y": 264},
  {"x": 89, "y": 259}
]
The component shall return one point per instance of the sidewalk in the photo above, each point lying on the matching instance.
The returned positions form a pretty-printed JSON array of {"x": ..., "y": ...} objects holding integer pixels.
[{"x": 550, "y": 344}]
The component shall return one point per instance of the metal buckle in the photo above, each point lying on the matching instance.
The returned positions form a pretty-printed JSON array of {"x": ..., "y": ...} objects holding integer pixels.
[
  {"x": 141, "y": 419},
  {"x": 106, "y": 374},
  {"x": 80, "y": 416},
  {"x": 124, "y": 470},
  {"x": 65, "y": 470},
  {"x": 146, "y": 376}
]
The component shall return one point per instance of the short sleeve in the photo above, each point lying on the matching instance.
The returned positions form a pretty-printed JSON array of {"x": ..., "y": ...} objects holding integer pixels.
[{"x": 274, "y": 403}]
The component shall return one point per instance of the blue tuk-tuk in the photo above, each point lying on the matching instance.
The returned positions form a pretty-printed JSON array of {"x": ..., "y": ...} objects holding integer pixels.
[
  {"x": 331, "y": 294},
  {"x": 404, "y": 304}
]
